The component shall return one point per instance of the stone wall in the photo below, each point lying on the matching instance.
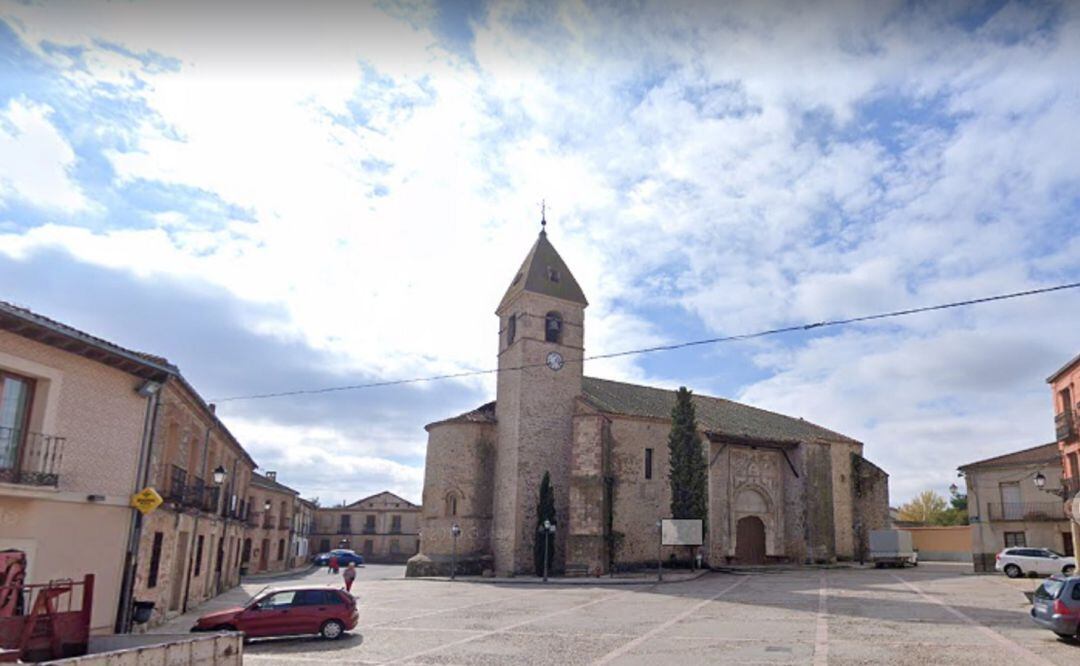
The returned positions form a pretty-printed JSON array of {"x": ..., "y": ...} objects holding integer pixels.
[
  {"x": 534, "y": 409},
  {"x": 460, "y": 464},
  {"x": 819, "y": 493},
  {"x": 870, "y": 493}
]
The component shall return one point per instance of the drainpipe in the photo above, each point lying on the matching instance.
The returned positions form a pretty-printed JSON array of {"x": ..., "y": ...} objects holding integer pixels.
[{"x": 131, "y": 554}]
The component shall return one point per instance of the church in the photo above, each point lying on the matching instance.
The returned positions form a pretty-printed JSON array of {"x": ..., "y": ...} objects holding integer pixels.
[{"x": 781, "y": 489}]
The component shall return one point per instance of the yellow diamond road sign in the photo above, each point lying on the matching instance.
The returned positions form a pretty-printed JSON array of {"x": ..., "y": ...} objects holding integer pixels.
[{"x": 146, "y": 500}]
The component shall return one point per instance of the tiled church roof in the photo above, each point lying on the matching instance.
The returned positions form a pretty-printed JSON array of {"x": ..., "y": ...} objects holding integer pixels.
[{"x": 716, "y": 415}]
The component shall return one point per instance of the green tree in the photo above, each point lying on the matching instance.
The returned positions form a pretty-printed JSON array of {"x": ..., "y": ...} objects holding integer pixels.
[
  {"x": 688, "y": 469},
  {"x": 545, "y": 510},
  {"x": 927, "y": 508}
]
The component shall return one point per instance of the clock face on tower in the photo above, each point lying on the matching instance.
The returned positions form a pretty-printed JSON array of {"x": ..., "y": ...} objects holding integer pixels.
[{"x": 555, "y": 361}]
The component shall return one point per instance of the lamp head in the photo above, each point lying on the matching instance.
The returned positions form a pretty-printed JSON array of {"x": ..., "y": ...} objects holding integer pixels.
[
  {"x": 953, "y": 489},
  {"x": 219, "y": 475},
  {"x": 1040, "y": 480}
]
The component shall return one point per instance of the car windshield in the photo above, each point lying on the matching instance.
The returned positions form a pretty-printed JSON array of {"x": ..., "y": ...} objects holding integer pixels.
[{"x": 1050, "y": 589}]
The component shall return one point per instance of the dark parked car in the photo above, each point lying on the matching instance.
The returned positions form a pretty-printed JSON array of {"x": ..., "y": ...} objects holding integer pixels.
[
  {"x": 288, "y": 611},
  {"x": 1056, "y": 606},
  {"x": 344, "y": 556}
]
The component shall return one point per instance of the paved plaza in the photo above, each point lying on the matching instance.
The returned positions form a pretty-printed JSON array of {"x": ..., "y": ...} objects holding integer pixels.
[{"x": 934, "y": 614}]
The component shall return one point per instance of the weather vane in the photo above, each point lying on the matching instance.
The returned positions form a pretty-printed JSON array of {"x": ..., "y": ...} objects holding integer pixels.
[{"x": 543, "y": 214}]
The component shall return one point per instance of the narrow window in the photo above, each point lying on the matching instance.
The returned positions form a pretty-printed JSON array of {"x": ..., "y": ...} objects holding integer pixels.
[
  {"x": 155, "y": 561},
  {"x": 553, "y": 327},
  {"x": 395, "y": 547},
  {"x": 451, "y": 504},
  {"x": 648, "y": 463},
  {"x": 511, "y": 329},
  {"x": 281, "y": 549},
  {"x": 198, "y": 555},
  {"x": 395, "y": 524},
  {"x": 369, "y": 524}
]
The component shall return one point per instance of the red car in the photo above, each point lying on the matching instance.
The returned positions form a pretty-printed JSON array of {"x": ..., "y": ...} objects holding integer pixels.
[{"x": 291, "y": 611}]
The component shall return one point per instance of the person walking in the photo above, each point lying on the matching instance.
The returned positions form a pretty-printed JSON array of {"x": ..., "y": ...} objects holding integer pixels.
[
  {"x": 333, "y": 564},
  {"x": 349, "y": 575}
]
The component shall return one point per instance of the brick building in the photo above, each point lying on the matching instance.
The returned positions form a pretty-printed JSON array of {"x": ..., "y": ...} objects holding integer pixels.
[
  {"x": 268, "y": 540},
  {"x": 780, "y": 488},
  {"x": 190, "y": 546},
  {"x": 383, "y": 528},
  {"x": 1065, "y": 385}
]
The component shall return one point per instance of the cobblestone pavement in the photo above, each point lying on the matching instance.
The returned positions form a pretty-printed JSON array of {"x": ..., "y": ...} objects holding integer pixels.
[{"x": 933, "y": 614}]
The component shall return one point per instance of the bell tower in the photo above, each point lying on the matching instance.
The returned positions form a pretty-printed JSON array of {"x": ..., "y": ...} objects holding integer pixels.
[{"x": 541, "y": 345}]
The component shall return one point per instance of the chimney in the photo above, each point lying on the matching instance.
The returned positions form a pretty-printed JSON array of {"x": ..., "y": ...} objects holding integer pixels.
[
  {"x": 213, "y": 408},
  {"x": 272, "y": 476}
]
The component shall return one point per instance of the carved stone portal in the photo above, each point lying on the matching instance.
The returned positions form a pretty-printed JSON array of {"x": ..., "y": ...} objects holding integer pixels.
[{"x": 756, "y": 489}]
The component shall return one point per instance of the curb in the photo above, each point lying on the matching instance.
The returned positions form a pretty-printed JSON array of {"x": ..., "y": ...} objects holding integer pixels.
[
  {"x": 254, "y": 578},
  {"x": 602, "y": 581}
]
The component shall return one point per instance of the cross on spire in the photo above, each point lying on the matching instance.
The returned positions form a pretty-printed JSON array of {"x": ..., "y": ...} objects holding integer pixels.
[{"x": 543, "y": 215}]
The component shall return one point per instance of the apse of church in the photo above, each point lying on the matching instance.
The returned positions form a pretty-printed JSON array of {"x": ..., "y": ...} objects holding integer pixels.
[{"x": 781, "y": 489}]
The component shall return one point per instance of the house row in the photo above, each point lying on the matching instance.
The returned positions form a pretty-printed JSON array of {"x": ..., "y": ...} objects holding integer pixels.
[
  {"x": 1031, "y": 497},
  {"x": 86, "y": 426}
]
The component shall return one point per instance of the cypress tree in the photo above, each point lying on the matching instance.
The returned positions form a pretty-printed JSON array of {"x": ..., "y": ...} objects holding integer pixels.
[
  {"x": 545, "y": 510},
  {"x": 688, "y": 468}
]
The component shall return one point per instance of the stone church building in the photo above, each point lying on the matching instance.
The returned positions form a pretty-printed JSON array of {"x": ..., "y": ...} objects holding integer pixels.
[{"x": 781, "y": 489}]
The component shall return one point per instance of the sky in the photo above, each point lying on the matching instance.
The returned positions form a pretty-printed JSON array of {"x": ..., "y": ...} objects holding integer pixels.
[{"x": 281, "y": 196}]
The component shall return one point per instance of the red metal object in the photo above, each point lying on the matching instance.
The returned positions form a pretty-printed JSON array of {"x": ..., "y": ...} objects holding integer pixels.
[{"x": 55, "y": 626}]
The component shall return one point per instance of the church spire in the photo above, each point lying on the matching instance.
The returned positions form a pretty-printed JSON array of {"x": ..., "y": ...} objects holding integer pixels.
[{"x": 544, "y": 272}]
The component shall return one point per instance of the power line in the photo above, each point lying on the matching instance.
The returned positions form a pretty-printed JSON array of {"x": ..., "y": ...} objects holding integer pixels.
[{"x": 659, "y": 348}]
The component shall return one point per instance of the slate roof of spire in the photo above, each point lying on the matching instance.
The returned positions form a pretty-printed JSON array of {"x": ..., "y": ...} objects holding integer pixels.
[{"x": 544, "y": 272}]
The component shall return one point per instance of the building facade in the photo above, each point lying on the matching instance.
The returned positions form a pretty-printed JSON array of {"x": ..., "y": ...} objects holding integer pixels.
[
  {"x": 383, "y": 528},
  {"x": 73, "y": 426},
  {"x": 303, "y": 527},
  {"x": 780, "y": 488},
  {"x": 1007, "y": 508},
  {"x": 190, "y": 546},
  {"x": 269, "y": 535},
  {"x": 1065, "y": 385}
]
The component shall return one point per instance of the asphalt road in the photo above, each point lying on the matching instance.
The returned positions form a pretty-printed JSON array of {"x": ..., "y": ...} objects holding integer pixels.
[{"x": 935, "y": 614}]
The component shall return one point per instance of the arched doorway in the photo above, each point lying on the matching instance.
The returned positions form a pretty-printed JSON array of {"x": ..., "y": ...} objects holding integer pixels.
[{"x": 750, "y": 540}]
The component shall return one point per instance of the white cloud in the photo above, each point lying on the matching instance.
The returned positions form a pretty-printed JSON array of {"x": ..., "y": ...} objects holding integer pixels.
[
  {"x": 719, "y": 159},
  {"x": 36, "y": 160}
]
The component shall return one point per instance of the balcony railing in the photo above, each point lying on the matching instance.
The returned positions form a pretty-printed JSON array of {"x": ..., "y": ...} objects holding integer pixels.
[
  {"x": 1028, "y": 511},
  {"x": 30, "y": 458},
  {"x": 268, "y": 522},
  {"x": 177, "y": 489},
  {"x": 1071, "y": 485},
  {"x": 1065, "y": 425},
  {"x": 369, "y": 529},
  {"x": 344, "y": 529}
]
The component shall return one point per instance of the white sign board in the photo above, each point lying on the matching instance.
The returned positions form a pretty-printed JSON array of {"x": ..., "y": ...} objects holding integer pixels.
[{"x": 680, "y": 532}]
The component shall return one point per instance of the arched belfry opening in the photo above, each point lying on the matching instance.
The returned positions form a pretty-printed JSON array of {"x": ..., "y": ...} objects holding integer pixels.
[{"x": 553, "y": 327}]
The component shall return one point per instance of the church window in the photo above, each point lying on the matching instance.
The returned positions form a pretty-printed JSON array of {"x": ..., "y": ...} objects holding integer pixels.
[
  {"x": 553, "y": 327},
  {"x": 648, "y": 463},
  {"x": 511, "y": 329},
  {"x": 451, "y": 504}
]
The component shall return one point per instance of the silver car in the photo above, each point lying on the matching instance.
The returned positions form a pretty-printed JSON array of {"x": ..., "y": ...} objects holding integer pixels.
[{"x": 1056, "y": 606}]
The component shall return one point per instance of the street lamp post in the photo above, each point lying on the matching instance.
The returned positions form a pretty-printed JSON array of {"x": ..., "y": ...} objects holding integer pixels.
[
  {"x": 659, "y": 550},
  {"x": 455, "y": 532},
  {"x": 1040, "y": 483},
  {"x": 219, "y": 479},
  {"x": 548, "y": 528}
]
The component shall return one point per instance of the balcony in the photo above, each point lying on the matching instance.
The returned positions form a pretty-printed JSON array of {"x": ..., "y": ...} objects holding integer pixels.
[
  {"x": 177, "y": 488},
  {"x": 1028, "y": 511},
  {"x": 1065, "y": 425},
  {"x": 344, "y": 529},
  {"x": 268, "y": 522},
  {"x": 369, "y": 529},
  {"x": 30, "y": 458}
]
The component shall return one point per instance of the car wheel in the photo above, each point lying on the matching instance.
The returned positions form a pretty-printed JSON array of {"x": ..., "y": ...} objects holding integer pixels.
[
  {"x": 332, "y": 629},
  {"x": 1069, "y": 570},
  {"x": 1013, "y": 571}
]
